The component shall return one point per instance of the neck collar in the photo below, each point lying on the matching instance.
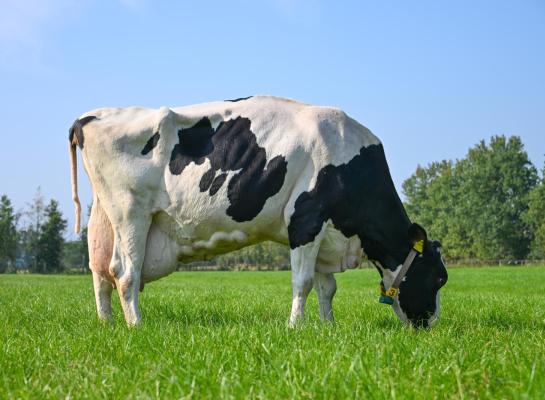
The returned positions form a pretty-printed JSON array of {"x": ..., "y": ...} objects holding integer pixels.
[{"x": 387, "y": 296}]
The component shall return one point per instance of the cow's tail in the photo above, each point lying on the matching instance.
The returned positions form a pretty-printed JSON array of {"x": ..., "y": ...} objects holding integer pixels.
[
  {"x": 76, "y": 138},
  {"x": 74, "y": 179}
]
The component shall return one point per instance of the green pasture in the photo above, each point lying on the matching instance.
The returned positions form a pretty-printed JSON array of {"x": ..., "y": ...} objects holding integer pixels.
[{"x": 224, "y": 335}]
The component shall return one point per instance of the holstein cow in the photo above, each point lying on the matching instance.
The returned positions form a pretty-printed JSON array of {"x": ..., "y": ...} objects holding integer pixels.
[{"x": 189, "y": 183}]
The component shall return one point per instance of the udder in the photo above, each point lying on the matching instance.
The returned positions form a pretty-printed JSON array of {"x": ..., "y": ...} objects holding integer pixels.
[
  {"x": 161, "y": 254},
  {"x": 100, "y": 241}
]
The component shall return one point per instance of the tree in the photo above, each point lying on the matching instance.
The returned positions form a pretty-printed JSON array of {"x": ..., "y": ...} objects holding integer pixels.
[
  {"x": 30, "y": 234},
  {"x": 495, "y": 183},
  {"x": 75, "y": 253},
  {"x": 51, "y": 240},
  {"x": 8, "y": 234},
  {"x": 84, "y": 250},
  {"x": 476, "y": 205},
  {"x": 535, "y": 217},
  {"x": 71, "y": 258},
  {"x": 84, "y": 244},
  {"x": 429, "y": 196},
  {"x": 432, "y": 200}
]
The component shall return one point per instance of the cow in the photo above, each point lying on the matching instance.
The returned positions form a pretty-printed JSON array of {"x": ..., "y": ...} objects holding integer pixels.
[{"x": 185, "y": 184}]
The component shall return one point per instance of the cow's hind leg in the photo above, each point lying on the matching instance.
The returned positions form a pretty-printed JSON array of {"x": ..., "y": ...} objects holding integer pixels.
[
  {"x": 103, "y": 296},
  {"x": 130, "y": 235},
  {"x": 325, "y": 286},
  {"x": 303, "y": 263}
]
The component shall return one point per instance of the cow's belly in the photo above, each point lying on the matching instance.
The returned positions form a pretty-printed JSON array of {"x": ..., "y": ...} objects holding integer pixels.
[{"x": 169, "y": 242}]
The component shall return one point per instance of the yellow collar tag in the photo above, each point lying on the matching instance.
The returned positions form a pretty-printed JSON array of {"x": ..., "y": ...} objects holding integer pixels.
[
  {"x": 392, "y": 292},
  {"x": 419, "y": 246}
]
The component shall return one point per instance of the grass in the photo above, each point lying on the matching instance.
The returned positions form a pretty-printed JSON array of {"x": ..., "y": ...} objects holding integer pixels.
[{"x": 224, "y": 335}]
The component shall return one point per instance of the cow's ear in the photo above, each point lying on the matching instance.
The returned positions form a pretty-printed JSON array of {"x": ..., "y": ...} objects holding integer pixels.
[{"x": 417, "y": 234}]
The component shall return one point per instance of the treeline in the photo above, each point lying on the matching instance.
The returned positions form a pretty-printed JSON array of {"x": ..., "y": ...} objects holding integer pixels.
[
  {"x": 33, "y": 239},
  {"x": 490, "y": 205},
  {"x": 262, "y": 256}
]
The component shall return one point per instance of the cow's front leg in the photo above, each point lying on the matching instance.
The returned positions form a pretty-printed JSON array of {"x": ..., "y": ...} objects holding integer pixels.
[
  {"x": 103, "y": 296},
  {"x": 325, "y": 286},
  {"x": 126, "y": 265},
  {"x": 303, "y": 263}
]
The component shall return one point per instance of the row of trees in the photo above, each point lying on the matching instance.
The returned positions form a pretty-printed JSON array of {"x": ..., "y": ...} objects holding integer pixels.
[
  {"x": 490, "y": 205},
  {"x": 34, "y": 239},
  {"x": 266, "y": 255}
]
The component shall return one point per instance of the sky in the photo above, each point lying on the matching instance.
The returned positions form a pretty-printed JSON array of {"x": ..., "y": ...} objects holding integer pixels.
[{"x": 429, "y": 78}]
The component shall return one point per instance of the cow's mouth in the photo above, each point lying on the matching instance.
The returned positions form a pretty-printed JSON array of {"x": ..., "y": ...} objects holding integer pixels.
[{"x": 420, "y": 323}]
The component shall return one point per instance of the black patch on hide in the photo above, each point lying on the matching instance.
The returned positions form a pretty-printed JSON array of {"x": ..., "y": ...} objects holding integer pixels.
[
  {"x": 239, "y": 99},
  {"x": 231, "y": 147},
  {"x": 151, "y": 143},
  {"x": 217, "y": 183},
  {"x": 360, "y": 199}
]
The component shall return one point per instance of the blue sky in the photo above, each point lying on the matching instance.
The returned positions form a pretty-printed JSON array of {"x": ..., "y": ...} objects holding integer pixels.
[{"x": 429, "y": 78}]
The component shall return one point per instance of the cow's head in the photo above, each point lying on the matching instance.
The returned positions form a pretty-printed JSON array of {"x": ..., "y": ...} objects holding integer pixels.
[{"x": 418, "y": 299}]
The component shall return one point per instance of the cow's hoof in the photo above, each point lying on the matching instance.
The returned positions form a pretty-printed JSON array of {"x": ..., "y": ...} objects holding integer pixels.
[
  {"x": 133, "y": 323},
  {"x": 106, "y": 319},
  {"x": 295, "y": 323}
]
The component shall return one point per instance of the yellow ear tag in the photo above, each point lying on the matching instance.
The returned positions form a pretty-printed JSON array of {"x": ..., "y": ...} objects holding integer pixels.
[
  {"x": 392, "y": 292},
  {"x": 419, "y": 246}
]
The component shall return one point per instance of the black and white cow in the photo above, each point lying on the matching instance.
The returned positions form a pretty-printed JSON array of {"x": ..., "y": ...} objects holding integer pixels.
[{"x": 189, "y": 183}]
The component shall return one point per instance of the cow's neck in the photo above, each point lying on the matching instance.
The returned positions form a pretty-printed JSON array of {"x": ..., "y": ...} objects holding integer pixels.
[
  {"x": 384, "y": 236},
  {"x": 388, "y": 244}
]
